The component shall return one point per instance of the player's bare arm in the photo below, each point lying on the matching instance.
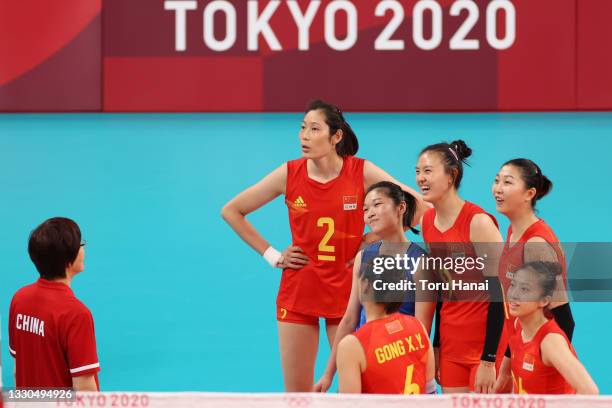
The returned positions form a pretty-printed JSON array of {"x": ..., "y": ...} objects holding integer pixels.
[
  {"x": 254, "y": 197},
  {"x": 351, "y": 363},
  {"x": 347, "y": 326},
  {"x": 84, "y": 383},
  {"x": 556, "y": 353},
  {"x": 488, "y": 245}
]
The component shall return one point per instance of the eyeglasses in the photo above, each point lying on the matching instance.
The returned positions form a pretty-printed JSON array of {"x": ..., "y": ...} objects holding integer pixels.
[{"x": 83, "y": 243}]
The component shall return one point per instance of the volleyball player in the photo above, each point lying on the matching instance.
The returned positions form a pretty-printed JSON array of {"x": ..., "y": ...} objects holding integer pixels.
[
  {"x": 51, "y": 333},
  {"x": 390, "y": 353},
  {"x": 324, "y": 194},
  {"x": 470, "y": 325},
  {"x": 388, "y": 211},
  {"x": 543, "y": 360},
  {"x": 518, "y": 185}
]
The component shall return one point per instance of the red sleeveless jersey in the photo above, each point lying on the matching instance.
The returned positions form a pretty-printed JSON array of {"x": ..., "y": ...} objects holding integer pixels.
[
  {"x": 396, "y": 355},
  {"x": 513, "y": 258},
  {"x": 463, "y": 319},
  {"x": 529, "y": 374},
  {"x": 326, "y": 221}
]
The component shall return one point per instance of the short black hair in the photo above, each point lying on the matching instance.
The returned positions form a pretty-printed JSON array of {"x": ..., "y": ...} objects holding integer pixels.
[{"x": 53, "y": 245}]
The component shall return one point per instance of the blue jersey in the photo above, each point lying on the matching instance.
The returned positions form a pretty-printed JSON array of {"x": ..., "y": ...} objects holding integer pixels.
[{"x": 370, "y": 252}]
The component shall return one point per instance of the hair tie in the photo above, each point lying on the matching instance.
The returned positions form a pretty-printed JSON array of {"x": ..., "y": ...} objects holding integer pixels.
[{"x": 454, "y": 154}]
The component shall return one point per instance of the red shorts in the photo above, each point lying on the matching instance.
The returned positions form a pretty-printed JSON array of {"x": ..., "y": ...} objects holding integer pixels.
[
  {"x": 458, "y": 374},
  {"x": 287, "y": 316}
]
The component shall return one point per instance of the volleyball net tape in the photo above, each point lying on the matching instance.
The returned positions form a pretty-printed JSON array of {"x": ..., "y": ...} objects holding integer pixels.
[{"x": 309, "y": 400}]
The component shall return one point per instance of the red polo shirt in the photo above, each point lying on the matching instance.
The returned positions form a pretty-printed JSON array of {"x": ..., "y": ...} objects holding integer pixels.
[{"x": 51, "y": 336}]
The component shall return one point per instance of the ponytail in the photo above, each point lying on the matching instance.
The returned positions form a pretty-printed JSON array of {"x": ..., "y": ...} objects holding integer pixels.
[
  {"x": 397, "y": 195},
  {"x": 348, "y": 145}
]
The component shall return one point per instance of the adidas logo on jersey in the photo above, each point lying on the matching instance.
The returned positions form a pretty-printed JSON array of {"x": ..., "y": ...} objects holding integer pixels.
[{"x": 299, "y": 202}]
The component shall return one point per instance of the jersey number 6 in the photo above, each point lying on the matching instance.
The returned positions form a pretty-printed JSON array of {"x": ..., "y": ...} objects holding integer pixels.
[
  {"x": 409, "y": 386},
  {"x": 323, "y": 247}
]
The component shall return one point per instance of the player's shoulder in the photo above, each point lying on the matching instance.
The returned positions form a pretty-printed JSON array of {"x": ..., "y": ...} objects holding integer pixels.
[
  {"x": 75, "y": 308},
  {"x": 295, "y": 162},
  {"x": 348, "y": 343},
  {"x": 355, "y": 166},
  {"x": 350, "y": 351},
  {"x": 479, "y": 219},
  {"x": 358, "y": 160},
  {"x": 25, "y": 290},
  {"x": 416, "y": 250},
  {"x": 24, "y": 293},
  {"x": 483, "y": 220},
  {"x": 428, "y": 217},
  {"x": 471, "y": 207},
  {"x": 411, "y": 320},
  {"x": 553, "y": 343},
  {"x": 540, "y": 232},
  {"x": 370, "y": 250},
  {"x": 536, "y": 239},
  {"x": 472, "y": 210}
]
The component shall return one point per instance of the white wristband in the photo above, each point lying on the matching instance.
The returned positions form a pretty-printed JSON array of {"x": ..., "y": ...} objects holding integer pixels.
[
  {"x": 272, "y": 256},
  {"x": 430, "y": 387}
]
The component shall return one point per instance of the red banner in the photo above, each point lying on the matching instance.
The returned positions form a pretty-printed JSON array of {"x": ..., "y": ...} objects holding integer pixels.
[
  {"x": 50, "y": 55},
  {"x": 275, "y": 55}
]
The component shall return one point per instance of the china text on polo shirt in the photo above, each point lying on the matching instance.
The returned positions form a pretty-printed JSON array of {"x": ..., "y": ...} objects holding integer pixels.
[{"x": 51, "y": 336}]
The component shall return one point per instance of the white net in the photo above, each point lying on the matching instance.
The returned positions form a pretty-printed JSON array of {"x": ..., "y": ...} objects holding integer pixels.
[{"x": 235, "y": 400}]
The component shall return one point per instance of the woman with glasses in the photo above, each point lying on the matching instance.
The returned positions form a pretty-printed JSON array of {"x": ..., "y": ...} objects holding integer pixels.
[{"x": 51, "y": 332}]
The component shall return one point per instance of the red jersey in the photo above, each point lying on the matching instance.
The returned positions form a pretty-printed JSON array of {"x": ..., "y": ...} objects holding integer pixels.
[
  {"x": 463, "y": 318},
  {"x": 396, "y": 355},
  {"x": 513, "y": 257},
  {"x": 326, "y": 221},
  {"x": 529, "y": 374},
  {"x": 51, "y": 336}
]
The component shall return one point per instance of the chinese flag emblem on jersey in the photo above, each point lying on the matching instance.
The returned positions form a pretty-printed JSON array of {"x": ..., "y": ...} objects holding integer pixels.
[
  {"x": 394, "y": 327},
  {"x": 350, "y": 202},
  {"x": 528, "y": 362}
]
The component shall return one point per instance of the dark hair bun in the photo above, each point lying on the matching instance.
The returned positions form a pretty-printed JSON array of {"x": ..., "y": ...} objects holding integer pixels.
[
  {"x": 555, "y": 268},
  {"x": 544, "y": 188},
  {"x": 462, "y": 149}
]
